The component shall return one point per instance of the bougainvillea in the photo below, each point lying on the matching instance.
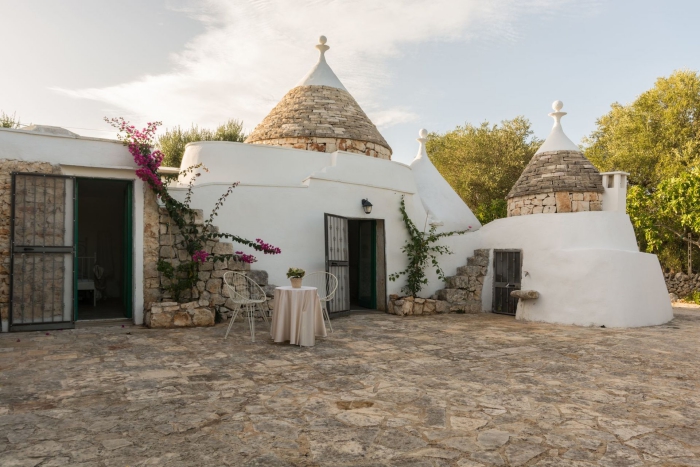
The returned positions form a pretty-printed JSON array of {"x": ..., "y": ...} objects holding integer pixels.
[{"x": 141, "y": 144}]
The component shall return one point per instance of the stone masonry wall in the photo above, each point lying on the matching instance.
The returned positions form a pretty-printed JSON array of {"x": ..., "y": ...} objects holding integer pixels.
[
  {"x": 311, "y": 143},
  {"x": 682, "y": 284},
  {"x": 209, "y": 290},
  {"x": 555, "y": 202},
  {"x": 462, "y": 292},
  {"x": 6, "y": 169},
  {"x": 320, "y": 112}
]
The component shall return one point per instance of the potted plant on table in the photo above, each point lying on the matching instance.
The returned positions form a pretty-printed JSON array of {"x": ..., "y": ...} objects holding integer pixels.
[{"x": 295, "y": 275}]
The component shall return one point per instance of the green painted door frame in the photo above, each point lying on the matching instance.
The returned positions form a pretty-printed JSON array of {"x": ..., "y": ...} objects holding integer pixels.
[{"x": 128, "y": 243}]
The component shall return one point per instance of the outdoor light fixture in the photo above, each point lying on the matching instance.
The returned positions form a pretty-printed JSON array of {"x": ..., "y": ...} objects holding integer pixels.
[{"x": 367, "y": 206}]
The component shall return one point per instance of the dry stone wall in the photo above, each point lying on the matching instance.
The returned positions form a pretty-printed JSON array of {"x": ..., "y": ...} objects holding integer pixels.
[
  {"x": 462, "y": 292},
  {"x": 311, "y": 143},
  {"x": 7, "y": 167},
  {"x": 209, "y": 290},
  {"x": 320, "y": 118},
  {"x": 555, "y": 202},
  {"x": 558, "y": 171},
  {"x": 682, "y": 285}
]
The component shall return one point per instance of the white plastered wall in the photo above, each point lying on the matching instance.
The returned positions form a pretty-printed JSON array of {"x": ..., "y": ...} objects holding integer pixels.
[
  {"x": 284, "y": 194},
  {"x": 586, "y": 266},
  {"x": 86, "y": 157}
]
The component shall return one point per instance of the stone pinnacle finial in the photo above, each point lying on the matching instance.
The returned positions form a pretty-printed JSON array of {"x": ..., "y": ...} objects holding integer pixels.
[
  {"x": 557, "y": 140},
  {"x": 557, "y": 114},
  {"x": 322, "y": 47},
  {"x": 422, "y": 138}
]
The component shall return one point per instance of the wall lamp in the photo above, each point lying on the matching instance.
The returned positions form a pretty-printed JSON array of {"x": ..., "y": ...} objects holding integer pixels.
[{"x": 367, "y": 206}]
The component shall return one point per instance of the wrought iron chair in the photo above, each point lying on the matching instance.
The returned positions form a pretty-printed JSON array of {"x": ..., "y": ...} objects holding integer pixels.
[
  {"x": 247, "y": 295},
  {"x": 326, "y": 284}
]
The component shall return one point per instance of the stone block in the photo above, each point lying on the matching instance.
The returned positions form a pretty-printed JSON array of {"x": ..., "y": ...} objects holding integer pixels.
[
  {"x": 223, "y": 248},
  {"x": 577, "y": 197},
  {"x": 204, "y": 275},
  {"x": 213, "y": 286},
  {"x": 549, "y": 209},
  {"x": 407, "y": 308},
  {"x": 258, "y": 276},
  {"x": 417, "y": 308},
  {"x": 563, "y": 202},
  {"x": 457, "y": 282},
  {"x": 182, "y": 319},
  {"x": 549, "y": 201},
  {"x": 238, "y": 266},
  {"x": 441, "y": 306},
  {"x": 167, "y": 252},
  {"x": 220, "y": 264},
  {"x": 202, "y": 317},
  {"x": 160, "y": 320}
]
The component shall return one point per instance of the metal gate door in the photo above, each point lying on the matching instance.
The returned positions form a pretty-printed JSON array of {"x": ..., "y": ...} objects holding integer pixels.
[
  {"x": 337, "y": 260},
  {"x": 506, "y": 278},
  {"x": 42, "y": 291}
]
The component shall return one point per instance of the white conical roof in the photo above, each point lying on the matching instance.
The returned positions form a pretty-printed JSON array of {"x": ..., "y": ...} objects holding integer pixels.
[
  {"x": 443, "y": 204},
  {"x": 321, "y": 74},
  {"x": 557, "y": 140}
]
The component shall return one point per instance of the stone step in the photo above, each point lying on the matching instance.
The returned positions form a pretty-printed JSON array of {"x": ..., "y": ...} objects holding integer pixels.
[
  {"x": 478, "y": 261},
  {"x": 471, "y": 270},
  {"x": 482, "y": 253},
  {"x": 457, "y": 282}
]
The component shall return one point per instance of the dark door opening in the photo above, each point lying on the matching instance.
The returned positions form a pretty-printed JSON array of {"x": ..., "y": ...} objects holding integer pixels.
[
  {"x": 355, "y": 255},
  {"x": 362, "y": 236},
  {"x": 103, "y": 249},
  {"x": 506, "y": 278}
]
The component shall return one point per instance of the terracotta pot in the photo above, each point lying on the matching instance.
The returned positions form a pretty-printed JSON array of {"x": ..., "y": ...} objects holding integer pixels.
[{"x": 296, "y": 282}]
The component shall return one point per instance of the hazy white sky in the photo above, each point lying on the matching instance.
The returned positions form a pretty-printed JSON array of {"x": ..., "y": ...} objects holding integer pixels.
[{"x": 410, "y": 64}]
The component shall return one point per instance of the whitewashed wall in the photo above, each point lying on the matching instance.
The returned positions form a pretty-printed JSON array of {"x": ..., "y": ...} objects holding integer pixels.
[
  {"x": 586, "y": 266},
  {"x": 86, "y": 157},
  {"x": 284, "y": 194}
]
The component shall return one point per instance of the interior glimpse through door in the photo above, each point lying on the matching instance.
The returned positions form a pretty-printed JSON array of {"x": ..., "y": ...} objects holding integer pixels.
[{"x": 366, "y": 264}]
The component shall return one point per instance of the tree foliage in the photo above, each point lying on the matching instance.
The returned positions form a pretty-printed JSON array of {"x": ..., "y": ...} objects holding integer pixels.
[
  {"x": 668, "y": 215},
  {"x": 172, "y": 143},
  {"x": 656, "y": 139},
  {"x": 482, "y": 163},
  {"x": 421, "y": 249}
]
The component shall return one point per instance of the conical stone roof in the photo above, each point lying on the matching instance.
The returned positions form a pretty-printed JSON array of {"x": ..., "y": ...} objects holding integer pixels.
[
  {"x": 558, "y": 166},
  {"x": 320, "y": 115}
]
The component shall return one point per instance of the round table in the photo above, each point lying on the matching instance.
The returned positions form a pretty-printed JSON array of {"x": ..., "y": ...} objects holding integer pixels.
[{"x": 297, "y": 316}]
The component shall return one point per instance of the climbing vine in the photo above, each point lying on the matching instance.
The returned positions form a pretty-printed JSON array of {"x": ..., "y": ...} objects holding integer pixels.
[
  {"x": 193, "y": 238},
  {"x": 421, "y": 249}
]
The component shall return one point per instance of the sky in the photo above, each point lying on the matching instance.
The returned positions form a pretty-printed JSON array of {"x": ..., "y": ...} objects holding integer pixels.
[{"x": 410, "y": 64}]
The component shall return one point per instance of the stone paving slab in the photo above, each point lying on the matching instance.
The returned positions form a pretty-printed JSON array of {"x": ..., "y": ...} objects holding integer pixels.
[{"x": 445, "y": 390}]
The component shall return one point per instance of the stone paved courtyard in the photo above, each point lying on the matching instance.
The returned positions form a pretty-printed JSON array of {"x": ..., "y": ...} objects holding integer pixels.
[{"x": 448, "y": 390}]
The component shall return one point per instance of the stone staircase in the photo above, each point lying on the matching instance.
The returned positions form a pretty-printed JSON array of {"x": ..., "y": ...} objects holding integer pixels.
[{"x": 463, "y": 291}]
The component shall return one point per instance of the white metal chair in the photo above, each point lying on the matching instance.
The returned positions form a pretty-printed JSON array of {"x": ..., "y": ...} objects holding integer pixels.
[
  {"x": 86, "y": 275},
  {"x": 246, "y": 294},
  {"x": 326, "y": 284}
]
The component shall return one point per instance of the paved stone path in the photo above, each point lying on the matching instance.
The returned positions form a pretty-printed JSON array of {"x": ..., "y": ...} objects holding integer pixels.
[{"x": 446, "y": 390}]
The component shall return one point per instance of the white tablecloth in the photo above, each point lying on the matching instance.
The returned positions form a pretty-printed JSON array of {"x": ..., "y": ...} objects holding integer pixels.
[{"x": 297, "y": 316}]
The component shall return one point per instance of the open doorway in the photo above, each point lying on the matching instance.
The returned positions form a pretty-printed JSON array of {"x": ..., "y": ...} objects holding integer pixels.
[
  {"x": 103, "y": 248},
  {"x": 366, "y": 264}
]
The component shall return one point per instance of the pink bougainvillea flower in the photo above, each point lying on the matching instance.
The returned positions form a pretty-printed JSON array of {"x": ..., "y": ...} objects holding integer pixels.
[
  {"x": 250, "y": 259},
  {"x": 200, "y": 256}
]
